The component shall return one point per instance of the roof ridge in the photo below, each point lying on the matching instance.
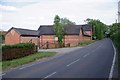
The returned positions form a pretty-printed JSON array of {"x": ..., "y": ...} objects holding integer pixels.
[
  {"x": 46, "y": 25},
  {"x": 24, "y": 29}
]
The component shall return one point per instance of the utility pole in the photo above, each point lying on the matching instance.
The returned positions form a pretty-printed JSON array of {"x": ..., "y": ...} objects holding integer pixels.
[{"x": 119, "y": 12}]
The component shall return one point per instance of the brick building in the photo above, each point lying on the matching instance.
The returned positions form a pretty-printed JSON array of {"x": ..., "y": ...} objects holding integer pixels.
[
  {"x": 18, "y": 35},
  {"x": 74, "y": 34}
]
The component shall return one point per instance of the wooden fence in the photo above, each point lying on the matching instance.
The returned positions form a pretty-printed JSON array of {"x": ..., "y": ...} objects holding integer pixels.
[
  {"x": 13, "y": 53},
  {"x": 49, "y": 45}
]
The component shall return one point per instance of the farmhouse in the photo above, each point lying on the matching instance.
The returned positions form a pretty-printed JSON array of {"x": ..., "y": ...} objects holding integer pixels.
[{"x": 74, "y": 34}]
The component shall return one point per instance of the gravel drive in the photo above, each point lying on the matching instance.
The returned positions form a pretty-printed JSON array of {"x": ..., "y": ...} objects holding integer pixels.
[{"x": 60, "y": 50}]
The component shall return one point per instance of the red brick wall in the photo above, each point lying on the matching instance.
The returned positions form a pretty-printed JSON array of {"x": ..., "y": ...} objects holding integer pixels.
[
  {"x": 12, "y": 37},
  {"x": 28, "y": 39},
  {"x": 73, "y": 40},
  {"x": 46, "y": 38}
]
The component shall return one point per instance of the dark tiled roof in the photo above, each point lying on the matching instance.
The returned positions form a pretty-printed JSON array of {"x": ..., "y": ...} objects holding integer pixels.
[
  {"x": 72, "y": 30},
  {"x": 69, "y": 30},
  {"x": 86, "y": 27},
  {"x": 26, "y": 32},
  {"x": 46, "y": 29}
]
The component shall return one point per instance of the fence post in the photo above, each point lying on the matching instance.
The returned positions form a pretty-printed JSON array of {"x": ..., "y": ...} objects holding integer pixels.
[{"x": 47, "y": 44}]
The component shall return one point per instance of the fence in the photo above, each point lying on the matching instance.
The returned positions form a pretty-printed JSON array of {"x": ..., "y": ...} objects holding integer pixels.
[
  {"x": 49, "y": 45},
  {"x": 13, "y": 53}
]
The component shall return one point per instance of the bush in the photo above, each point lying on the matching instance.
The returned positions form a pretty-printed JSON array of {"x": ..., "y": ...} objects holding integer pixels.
[
  {"x": 20, "y": 45},
  {"x": 116, "y": 39},
  {"x": 17, "y": 50}
]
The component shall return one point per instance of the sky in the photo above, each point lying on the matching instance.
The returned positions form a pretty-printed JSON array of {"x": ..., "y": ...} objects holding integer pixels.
[{"x": 31, "y": 14}]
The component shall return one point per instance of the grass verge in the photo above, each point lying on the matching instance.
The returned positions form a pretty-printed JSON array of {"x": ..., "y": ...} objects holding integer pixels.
[
  {"x": 24, "y": 60},
  {"x": 86, "y": 42}
]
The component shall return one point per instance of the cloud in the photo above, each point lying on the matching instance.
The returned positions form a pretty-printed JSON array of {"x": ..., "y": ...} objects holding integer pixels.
[
  {"x": 7, "y": 8},
  {"x": 42, "y": 13},
  {"x": 20, "y": 0}
]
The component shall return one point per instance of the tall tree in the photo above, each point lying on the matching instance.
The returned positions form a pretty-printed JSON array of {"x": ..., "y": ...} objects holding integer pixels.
[{"x": 58, "y": 29}]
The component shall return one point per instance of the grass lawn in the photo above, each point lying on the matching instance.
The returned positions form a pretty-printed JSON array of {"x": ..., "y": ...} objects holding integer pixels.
[
  {"x": 86, "y": 42},
  {"x": 24, "y": 60}
]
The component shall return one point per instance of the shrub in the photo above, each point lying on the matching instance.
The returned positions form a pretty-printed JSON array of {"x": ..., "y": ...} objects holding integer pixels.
[
  {"x": 17, "y": 50},
  {"x": 116, "y": 39}
]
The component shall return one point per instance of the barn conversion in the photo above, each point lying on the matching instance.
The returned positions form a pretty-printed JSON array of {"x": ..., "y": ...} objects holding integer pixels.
[{"x": 73, "y": 35}]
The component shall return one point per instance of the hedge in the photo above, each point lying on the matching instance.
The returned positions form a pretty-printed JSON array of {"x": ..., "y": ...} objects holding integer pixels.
[
  {"x": 116, "y": 39},
  {"x": 10, "y": 52}
]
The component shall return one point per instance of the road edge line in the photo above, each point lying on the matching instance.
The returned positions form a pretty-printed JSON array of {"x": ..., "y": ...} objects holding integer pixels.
[{"x": 113, "y": 63}]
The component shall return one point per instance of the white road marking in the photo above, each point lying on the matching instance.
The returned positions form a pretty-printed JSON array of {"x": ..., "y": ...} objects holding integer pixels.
[
  {"x": 86, "y": 55},
  {"x": 73, "y": 62},
  {"x": 50, "y": 75},
  {"x": 92, "y": 51},
  {"x": 113, "y": 63}
]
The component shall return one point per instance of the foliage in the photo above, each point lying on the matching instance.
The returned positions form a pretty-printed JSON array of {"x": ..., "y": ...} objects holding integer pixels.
[
  {"x": 20, "y": 45},
  {"x": 24, "y": 60},
  {"x": 114, "y": 27},
  {"x": 58, "y": 29},
  {"x": 66, "y": 21},
  {"x": 99, "y": 28},
  {"x": 10, "y": 52},
  {"x": 59, "y": 24},
  {"x": 115, "y": 36},
  {"x": 3, "y": 37}
]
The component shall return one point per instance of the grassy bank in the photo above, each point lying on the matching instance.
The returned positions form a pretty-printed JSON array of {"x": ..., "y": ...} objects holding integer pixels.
[
  {"x": 24, "y": 60},
  {"x": 86, "y": 42}
]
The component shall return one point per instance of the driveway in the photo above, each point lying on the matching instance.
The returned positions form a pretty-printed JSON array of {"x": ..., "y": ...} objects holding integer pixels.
[{"x": 60, "y": 50}]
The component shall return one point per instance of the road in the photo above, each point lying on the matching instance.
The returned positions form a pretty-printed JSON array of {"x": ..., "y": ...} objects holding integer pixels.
[{"x": 92, "y": 61}]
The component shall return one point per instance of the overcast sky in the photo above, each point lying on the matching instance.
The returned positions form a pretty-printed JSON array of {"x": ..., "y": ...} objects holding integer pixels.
[{"x": 33, "y": 13}]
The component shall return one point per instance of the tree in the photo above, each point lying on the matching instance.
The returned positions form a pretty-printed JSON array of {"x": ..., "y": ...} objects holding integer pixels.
[
  {"x": 58, "y": 29},
  {"x": 59, "y": 25},
  {"x": 66, "y": 21},
  {"x": 3, "y": 37},
  {"x": 99, "y": 28},
  {"x": 114, "y": 27}
]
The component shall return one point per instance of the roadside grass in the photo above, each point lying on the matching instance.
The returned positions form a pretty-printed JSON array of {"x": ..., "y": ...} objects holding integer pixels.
[
  {"x": 24, "y": 60},
  {"x": 86, "y": 42}
]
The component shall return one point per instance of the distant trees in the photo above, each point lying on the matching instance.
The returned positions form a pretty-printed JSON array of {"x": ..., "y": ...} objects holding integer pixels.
[
  {"x": 66, "y": 21},
  {"x": 114, "y": 28},
  {"x": 115, "y": 33},
  {"x": 99, "y": 28}
]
